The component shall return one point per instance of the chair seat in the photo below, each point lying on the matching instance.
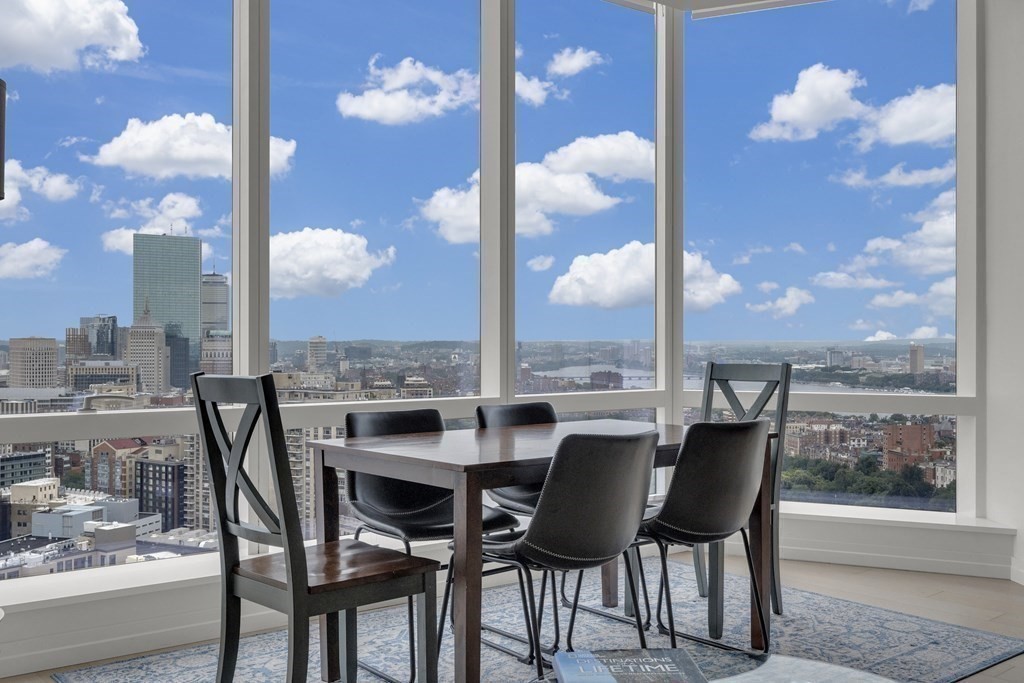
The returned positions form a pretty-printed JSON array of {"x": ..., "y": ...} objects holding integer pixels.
[
  {"x": 336, "y": 565},
  {"x": 520, "y": 498},
  {"x": 435, "y": 523}
]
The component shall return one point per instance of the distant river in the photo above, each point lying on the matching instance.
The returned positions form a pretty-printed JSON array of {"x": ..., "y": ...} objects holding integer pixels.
[{"x": 644, "y": 379}]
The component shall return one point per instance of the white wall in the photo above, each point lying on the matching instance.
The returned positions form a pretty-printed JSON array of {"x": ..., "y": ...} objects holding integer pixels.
[{"x": 1003, "y": 244}]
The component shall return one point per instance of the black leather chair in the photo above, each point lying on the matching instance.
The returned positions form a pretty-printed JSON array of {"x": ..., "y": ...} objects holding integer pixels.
[
  {"x": 404, "y": 510},
  {"x": 712, "y": 493},
  {"x": 302, "y": 581},
  {"x": 770, "y": 380},
  {"x": 520, "y": 499},
  {"x": 588, "y": 512}
]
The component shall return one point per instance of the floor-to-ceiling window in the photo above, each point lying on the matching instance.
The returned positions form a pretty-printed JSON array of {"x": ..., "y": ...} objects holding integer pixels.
[
  {"x": 821, "y": 175},
  {"x": 115, "y": 263}
]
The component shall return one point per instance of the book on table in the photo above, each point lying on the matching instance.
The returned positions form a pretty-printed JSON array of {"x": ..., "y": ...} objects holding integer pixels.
[{"x": 627, "y": 666}]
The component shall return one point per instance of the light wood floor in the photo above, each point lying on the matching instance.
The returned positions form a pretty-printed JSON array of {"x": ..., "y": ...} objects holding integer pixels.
[{"x": 989, "y": 604}]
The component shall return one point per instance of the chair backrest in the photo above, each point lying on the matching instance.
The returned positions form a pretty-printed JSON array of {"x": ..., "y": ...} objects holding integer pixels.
[
  {"x": 384, "y": 493},
  {"x": 775, "y": 382},
  {"x": 715, "y": 482},
  {"x": 592, "y": 501},
  {"x": 514, "y": 414},
  {"x": 225, "y": 450}
]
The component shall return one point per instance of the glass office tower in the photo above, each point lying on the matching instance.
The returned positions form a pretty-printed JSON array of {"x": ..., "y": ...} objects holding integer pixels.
[{"x": 167, "y": 276}]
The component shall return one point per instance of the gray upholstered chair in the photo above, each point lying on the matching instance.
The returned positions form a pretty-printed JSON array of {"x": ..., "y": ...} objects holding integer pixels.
[
  {"x": 302, "y": 582},
  {"x": 519, "y": 499},
  {"x": 715, "y": 483},
  {"x": 588, "y": 513}
]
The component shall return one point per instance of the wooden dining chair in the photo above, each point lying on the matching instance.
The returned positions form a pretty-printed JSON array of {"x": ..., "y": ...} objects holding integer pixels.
[
  {"x": 331, "y": 579},
  {"x": 770, "y": 381}
]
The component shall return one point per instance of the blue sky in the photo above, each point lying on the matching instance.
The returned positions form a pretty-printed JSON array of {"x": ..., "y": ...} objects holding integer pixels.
[{"x": 819, "y": 173}]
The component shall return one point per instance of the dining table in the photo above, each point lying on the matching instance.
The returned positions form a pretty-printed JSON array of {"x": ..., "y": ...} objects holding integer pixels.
[{"x": 470, "y": 461}]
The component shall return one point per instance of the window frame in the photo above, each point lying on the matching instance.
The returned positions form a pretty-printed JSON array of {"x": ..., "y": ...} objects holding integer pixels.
[{"x": 250, "y": 255}]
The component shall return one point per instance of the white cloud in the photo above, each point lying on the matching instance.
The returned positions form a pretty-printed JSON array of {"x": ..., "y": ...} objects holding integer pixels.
[
  {"x": 925, "y": 116},
  {"x": 534, "y": 92},
  {"x": 820, "y": 100},
  {"x": 767, "y": 286},
  {"x": 540, "y": 263},
  {"x": 744, "y": 258},
  {"x": 897, "y": 177},
  {"x": 173, "y": 215},
  {"x": 519, "y": 50},
  {"x": 621, "y": 278},
  {"x": 881, "y": 335},
  {"x": 831, "y": 246},
  {"x": 571, "y": 61},
  {"x": 12, "y": 96},
  {"x": 32, "y": 259},
  {"x": 193, "y": 146},
  {"x": 540, "y": 193},
  {"x": 834, "y": 280},
  {"x": 618, "y": 157},
  {"x": 65, "y": 35},
  {"x": 321, "y": 262},
  {"x": 409, "y": 92},
  {"x": 786, "y": 305},
  {"x": 924, "y": 332},
  {"x": 561, "y": 184},
  {"x": 71, "y": 140},
  {"x": 795, "y": 247},
  {"x": 861, "y": 324},
  {"x": 897, "y": 299},
  {"x": 703, "y": 286},
  {"x": 931, "y": 250},
  {"x": 54, "y": 187},
  {"x": 625, "y": 277},
  {"x": 919, "y": 5},
  {"x": 823, "y": 98}
]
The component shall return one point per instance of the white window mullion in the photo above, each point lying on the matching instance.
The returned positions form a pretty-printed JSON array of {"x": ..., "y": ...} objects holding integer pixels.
[
  {"x": 250, "y": 206},
  {"x": 970, "y": 290},
  {"x": 497, "y": 199},
  {"x": 668, "y": 204}
]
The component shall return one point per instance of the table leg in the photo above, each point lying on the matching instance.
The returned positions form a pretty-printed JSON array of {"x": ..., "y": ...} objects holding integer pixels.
[
  {"x": 716, "y": 593},
  {"x": 610, "y": 584},
  {"x": 760, "y": 551},
  {"x": 468, "y": 579},
  {"x": 325, "y": 490}
]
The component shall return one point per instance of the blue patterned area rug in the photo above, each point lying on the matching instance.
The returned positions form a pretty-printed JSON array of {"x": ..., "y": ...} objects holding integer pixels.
[{"x": 816, "y": 627}]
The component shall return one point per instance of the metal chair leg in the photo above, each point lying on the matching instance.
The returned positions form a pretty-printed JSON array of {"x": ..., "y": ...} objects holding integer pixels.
[
  {"x": 663, "y": 552},
  {"x": 572, "y": 614},
  {"x": 636, "y": 610},
  {"x": 534, "y": 622}
]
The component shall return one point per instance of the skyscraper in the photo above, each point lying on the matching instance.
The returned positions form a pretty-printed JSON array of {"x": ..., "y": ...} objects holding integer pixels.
[
  {"x": 916, "y": 358},
  {"x": 316, "y": 354},
  {"x": 167, "y": 276},
  {"x": 215, "y": 309},
  {"x": 33, "y": 363},
  {"x": 147, "y": 349},
  {"x": 102, "y": 332}
]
